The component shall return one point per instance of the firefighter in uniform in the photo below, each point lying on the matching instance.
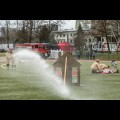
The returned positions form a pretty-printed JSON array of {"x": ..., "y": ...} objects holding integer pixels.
[
  {"x": 95, "y": 67},
  {"x": 8, "y": 58}
]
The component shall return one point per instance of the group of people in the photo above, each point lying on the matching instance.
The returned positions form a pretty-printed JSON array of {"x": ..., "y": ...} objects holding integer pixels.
[
  {"x": 96, "y": 67},
  {"x": 90, "y": 55},
  {"x": 10, "y": 58}
]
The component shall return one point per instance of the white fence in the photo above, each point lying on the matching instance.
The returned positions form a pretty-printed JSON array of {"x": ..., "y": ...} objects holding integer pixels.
[
  {"x": 54, "y": 54},
  {"x": 5, "y": 46}
]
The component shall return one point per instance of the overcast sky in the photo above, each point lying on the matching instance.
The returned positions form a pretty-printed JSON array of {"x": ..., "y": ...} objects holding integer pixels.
[{"x": 69, "y": 24}]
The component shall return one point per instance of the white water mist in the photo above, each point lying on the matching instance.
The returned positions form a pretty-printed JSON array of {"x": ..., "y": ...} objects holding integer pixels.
[{"x": 45, "y": 69}]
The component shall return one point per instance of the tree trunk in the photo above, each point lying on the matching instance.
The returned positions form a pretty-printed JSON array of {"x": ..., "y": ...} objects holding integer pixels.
[
  {"x": 7, "y": 37},
  {"x": 30, "y": 35},
  {"x": 107, "y": 44},
  {"x": 104, "y": 25},
  {"x": 49, "y": 25}
]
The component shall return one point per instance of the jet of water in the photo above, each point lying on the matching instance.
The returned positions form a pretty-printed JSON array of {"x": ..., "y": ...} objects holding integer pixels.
[{"x": 47, "y": 71}]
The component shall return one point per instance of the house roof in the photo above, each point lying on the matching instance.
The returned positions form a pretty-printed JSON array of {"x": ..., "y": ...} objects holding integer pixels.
[
  {"x": 64, "y": 44},
  {"x": 70, "y": 60}
]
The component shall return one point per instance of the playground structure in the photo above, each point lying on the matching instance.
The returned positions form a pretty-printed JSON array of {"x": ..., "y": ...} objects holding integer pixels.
[{"x": 68, "y": 68}]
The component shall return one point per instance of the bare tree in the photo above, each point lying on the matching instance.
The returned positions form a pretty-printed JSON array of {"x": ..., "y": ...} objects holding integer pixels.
[
  {"x": 27, "y": 30},
  {"x": 7, "y": 31},
  {"x": 102, "y": 27},
  {"x": 108, "y": 28},
  {"x": 116, "y": 32},
  {"x": 50, "y": 23},
  {"x": 30, "y": 30}
]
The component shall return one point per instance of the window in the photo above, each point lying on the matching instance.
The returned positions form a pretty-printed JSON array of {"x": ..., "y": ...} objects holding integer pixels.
[
  {"x": 71, "y": 34},
  {"x": 63, "y": 35},
  {"x": 36, "y": 46},
  {"x": 47, "y": 47},
  {"x": 40, "y": 46}
]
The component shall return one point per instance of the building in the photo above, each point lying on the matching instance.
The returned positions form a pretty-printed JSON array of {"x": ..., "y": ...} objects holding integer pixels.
[
  {"x": 85, "y": 24},
  {"x": 66, "y": 35}
]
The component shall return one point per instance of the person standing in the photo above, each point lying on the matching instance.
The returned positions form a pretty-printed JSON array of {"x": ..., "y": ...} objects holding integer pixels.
[
  {"x": 8, "y": 58},
  {"x": 13, "y": 59},
  {"x": 46, "y": 55},
  {"x": 87, "y": 55},
  {"x": 78, "y": 54},
  {"x": 93, "y": 55}
]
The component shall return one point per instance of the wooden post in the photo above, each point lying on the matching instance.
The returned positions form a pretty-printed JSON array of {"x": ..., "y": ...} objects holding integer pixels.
[{"x": 65, "y": 71}]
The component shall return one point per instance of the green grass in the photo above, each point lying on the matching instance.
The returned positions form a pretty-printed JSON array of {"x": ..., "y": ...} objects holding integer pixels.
[
  {"x": 2, "y": 54},
  {"x": 26, "y": 84},
  {"x": 106, "y": 56}
]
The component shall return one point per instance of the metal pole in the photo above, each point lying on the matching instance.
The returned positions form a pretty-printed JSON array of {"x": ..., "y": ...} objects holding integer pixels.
[{"x": 65, "y": 71}]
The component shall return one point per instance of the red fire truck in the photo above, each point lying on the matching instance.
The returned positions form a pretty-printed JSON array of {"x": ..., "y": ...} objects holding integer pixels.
[
  {"x": 43, "y": 48},
  {"x": 40, "y": 48}
]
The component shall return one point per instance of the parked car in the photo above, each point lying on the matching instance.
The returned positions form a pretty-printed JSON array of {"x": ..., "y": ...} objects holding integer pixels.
[{"x": 3, "y": 49}]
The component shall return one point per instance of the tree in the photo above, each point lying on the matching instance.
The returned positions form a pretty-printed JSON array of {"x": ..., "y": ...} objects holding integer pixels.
[
  {"x": 52, "y": 39},
  {"x": 116, "y": 31},
  {"x": 44, "y": 34},
  {"x": 102, "y": 27},
  {"x": 3, "y": 35},
  {"x": 52, "y": 23},
  {"x": 22, "y": 33},
  {"x": 79, "y": 40},
  {"x": 30, "y": 30},
  {"x": 7, "y": 31}
]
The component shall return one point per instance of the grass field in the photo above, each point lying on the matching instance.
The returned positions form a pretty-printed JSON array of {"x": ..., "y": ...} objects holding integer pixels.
[{"x": 28, "y": 83}]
